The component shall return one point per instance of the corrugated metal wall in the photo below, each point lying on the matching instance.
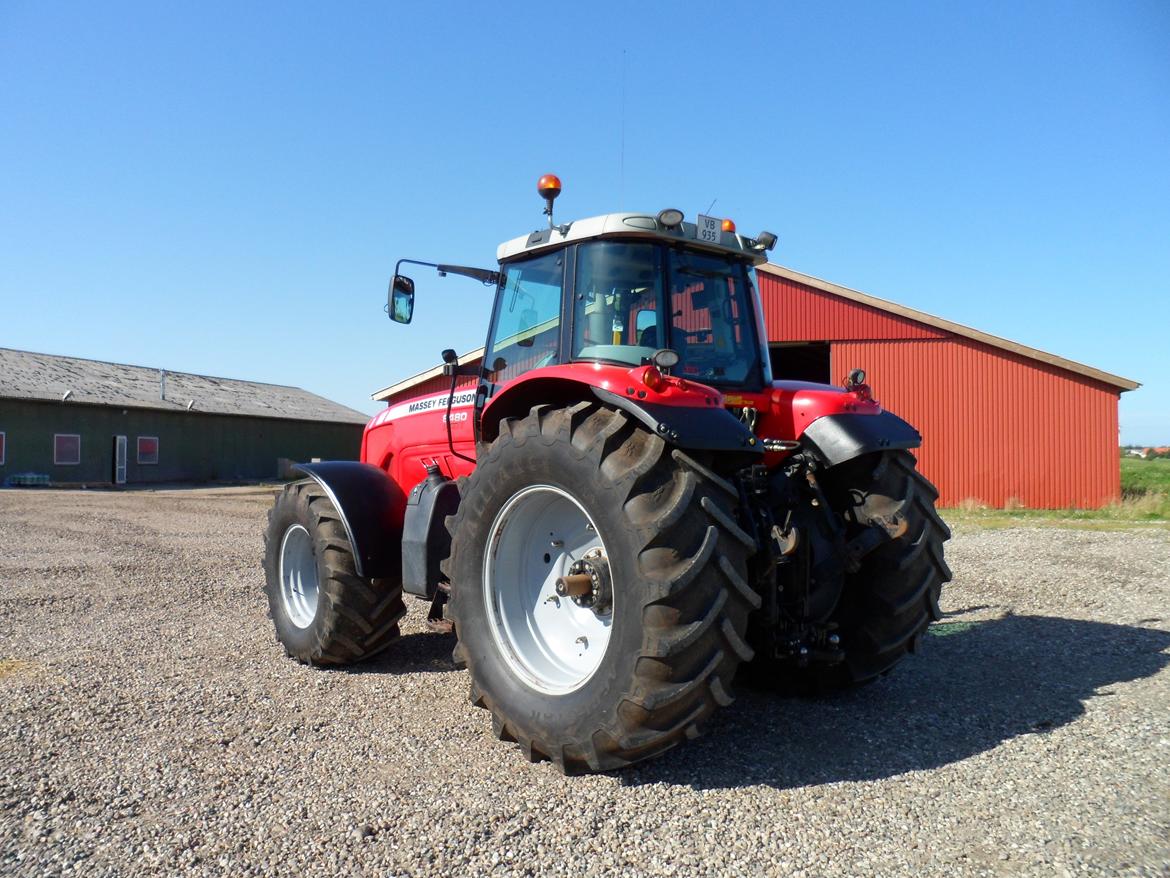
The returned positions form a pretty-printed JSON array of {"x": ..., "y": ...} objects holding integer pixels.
[
  {"x": 795, "y": 312},
  {"x": 195, "y": 446},
  {"x": 432, "y": 385},
  {"x": 998, "y": 427}
]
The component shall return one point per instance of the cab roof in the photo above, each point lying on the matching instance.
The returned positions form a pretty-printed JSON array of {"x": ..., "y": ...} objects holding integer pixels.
[{"x": 632, "y": 225}]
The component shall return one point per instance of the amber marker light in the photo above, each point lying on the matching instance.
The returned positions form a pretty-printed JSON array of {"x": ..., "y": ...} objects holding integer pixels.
[
  {"x": 728, "y": 226},
  {"x": 549, "y": 186},
  {"x": 653, "y": 379}
]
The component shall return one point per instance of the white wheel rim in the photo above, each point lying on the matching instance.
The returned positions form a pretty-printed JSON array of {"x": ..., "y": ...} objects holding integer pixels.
[
  {"x": 551, "y": 643},
  {"x": 299, "y": 585}
]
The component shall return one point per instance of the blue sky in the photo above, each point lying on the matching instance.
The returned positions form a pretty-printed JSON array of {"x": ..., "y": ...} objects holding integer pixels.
[{"x": 224, "y": 188}]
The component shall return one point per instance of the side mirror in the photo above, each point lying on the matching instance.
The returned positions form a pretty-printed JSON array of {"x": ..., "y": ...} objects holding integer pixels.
[{"x": 401, "y": 304}]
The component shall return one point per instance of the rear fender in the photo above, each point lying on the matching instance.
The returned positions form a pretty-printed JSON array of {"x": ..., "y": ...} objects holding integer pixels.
[
  {"x": 835, "y": 439},
  {"x": 371, "y": 507},
  {"x": 694, "y": 429}
]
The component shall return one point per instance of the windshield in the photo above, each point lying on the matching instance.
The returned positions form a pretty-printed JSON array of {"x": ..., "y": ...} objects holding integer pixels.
[{"x": 632, "y": 299}]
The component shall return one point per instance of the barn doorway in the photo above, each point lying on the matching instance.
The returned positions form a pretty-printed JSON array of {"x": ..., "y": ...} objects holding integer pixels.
[
  {"x": 119, "y": 460},
  {"x": 803, "y": 361}
]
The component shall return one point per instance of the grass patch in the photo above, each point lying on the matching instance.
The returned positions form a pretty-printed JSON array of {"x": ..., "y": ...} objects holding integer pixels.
[
  {"x": 1145, "y": 477},
  {"x": 1126, "y": 515},
  {"x": 1145, "y": 502},
  {"x": 946, "y": 629}
]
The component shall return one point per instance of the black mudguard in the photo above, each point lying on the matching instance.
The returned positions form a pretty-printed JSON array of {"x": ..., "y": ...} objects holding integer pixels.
[
  {"x": 689, "y": 427},
  {"x": 369, "y": 502},
  {"x": 838, "y": 438},
  {"x": 425, "y": 540}
]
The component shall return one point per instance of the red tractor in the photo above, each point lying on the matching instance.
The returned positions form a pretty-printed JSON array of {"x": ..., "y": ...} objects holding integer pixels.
[{"x": 618, "y": 509}]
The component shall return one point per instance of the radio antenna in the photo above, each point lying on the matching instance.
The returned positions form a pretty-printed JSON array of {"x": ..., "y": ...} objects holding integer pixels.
[
  {"x": 622, "y": 159},
  {"x": 711, "y": 205}
]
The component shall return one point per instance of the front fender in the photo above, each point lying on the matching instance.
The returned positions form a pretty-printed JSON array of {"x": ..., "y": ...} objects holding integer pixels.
[
  {"x": 371, "y": 507},
  {"x": 838, "y": 438}
]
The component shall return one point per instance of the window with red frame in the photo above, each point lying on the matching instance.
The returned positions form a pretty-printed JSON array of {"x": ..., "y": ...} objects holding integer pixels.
[{"x": 148, "y": 449}]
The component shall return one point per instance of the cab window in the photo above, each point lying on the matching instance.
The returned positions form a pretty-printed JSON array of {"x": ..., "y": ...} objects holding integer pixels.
[
  {"x": 711, "y": 328},
  {"x": 526, "y": 326},
  {"x": 617, "y": 313}
]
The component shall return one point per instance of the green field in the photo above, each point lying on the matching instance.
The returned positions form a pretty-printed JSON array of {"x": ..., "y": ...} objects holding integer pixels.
[
  {"x": 1141, "y": 477},
  {"x": 1145, "y": 501}
]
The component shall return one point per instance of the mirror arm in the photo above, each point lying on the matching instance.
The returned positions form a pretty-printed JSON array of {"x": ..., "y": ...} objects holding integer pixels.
[{"x": 483, "y": 275}]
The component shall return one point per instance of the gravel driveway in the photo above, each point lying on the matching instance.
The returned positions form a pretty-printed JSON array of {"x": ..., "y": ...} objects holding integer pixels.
[{"x": 149, "y": 724}]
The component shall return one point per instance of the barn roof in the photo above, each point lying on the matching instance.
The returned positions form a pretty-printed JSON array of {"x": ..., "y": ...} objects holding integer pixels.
[
  {"x": 27, "y": 375},
  {"x": 435, "y": 372},
  {"x": 950, "y": 326},
  {"x": 1122, "y": 384}
]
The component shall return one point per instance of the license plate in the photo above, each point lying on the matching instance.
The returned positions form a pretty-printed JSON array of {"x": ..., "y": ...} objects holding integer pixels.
[{"x": 708, "y": 228}]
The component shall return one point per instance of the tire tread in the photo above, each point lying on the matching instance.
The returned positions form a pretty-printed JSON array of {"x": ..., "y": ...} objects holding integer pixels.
[{"x": 697, "y": 598}]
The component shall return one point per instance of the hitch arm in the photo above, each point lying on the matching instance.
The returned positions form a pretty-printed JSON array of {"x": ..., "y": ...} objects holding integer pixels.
[{"x": 879, "y": 531}]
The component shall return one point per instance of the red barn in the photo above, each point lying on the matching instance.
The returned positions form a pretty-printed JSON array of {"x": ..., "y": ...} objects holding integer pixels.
[{"x": 1002, "y": 423}]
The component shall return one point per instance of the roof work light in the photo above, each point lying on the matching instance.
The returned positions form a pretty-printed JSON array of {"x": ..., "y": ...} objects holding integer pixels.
[{"x": 549, "y": 187}]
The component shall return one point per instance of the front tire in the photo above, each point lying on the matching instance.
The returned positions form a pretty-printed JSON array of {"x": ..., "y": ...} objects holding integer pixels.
[
  {"x": 324, "y": 613},
  {"x": 554, "y": 487}
]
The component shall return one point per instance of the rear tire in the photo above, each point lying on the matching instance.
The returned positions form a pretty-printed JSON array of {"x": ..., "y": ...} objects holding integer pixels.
[
  {"x": 324, "y": 613},
  {"x": 886, "y": 605},
  {"x": 680, "y": 597}
]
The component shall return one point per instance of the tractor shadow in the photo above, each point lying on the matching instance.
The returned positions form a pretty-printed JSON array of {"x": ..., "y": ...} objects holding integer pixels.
[
  {"x": 978, "y": 684},
  {"x": 420, "y": 652}
]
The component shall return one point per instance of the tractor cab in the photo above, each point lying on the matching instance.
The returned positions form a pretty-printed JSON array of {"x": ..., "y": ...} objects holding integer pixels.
[
  {"x": 612, "y": 292},
  {"x": 622, "y": 290}
]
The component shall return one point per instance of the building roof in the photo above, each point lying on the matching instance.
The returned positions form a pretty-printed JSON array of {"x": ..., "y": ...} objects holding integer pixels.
[
  {"x": 435, "y": 372},
  {"x": 1122, "y": 384},
  {"x": 951, "y": 327},
  {"x": 27, "y": 375}
]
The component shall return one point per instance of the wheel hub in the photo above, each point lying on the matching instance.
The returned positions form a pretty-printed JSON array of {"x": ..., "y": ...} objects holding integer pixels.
[
  {"x": 547, "y": 589},
  {"x": 587, "y": 582}
]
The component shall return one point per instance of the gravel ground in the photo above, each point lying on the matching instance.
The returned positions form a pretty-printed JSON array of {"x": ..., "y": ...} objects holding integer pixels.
[{"x": 150, "y": 725}]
